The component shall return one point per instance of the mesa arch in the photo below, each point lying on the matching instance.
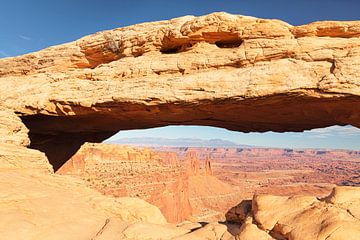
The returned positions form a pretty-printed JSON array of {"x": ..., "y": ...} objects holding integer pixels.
[{"x": 236, "y": 72}]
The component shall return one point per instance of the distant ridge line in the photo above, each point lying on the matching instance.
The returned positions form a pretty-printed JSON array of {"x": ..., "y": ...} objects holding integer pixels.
[
  {"x": 178, "y": 142},
  {"x": 197, "y": 142}
]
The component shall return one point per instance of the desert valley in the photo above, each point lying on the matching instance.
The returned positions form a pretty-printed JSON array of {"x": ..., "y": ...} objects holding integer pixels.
[{"x": 204, "y": 183}]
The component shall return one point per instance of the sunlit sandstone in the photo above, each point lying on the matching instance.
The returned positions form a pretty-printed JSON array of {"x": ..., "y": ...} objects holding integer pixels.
[{"x": 236, "y": 72}]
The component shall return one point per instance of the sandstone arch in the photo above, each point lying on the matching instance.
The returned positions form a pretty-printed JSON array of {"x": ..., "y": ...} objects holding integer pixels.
[{"x": 240, "y": 73}]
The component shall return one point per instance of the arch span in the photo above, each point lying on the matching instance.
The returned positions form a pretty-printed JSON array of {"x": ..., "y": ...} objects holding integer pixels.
[
  {"x": 61, "y": 136},
  {"x": 240, "y": 73}
]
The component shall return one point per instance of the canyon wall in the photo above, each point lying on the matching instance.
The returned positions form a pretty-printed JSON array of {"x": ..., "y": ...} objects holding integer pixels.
[
  {"x": 339, "y": 167},
  {"x": 182, "y": 187},
  {"x": 155, "y": 177},
  {"x": 204, "y": 183}
]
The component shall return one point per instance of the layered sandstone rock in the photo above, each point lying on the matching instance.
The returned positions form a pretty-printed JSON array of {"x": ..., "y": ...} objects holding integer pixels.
[
  {"x": 190, "y": 159},
  {"x": 13, "y": 142},
  {"x": 249, "y": 231},
  {"x": 211, "y": 198},
  {"x": 301, "y": 217},
  {"x": 237, "y": 72}
]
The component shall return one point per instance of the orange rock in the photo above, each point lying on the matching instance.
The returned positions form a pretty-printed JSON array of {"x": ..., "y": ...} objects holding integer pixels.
[
  {"x": 43, "y": 206},
  {"x": 237, "y": 72},
  {"x": 306, "y": 217},
  {"x": 116, "y": 170},
  {"x": 208, "y": 170}
]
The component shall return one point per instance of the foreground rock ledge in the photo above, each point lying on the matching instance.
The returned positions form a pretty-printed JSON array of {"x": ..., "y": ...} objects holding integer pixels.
[
  {"x": 237, "y": 72},
  {"x": 43, "y": 206}
]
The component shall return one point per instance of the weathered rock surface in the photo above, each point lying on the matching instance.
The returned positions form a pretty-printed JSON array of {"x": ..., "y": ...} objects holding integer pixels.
[
  {"x": 13, "y": 142},
  {"x": 236, "y": 72},
  {"x": 43, "y": 206},
  {"x": 210, "y": 231},
  {"x": 39, "y": 206},
  {"x": 239, "y": 212},
  {"x": 249, "y": 231},
  {"x": 303, "y": 217},
  {"x": 211, "y": 198},
  {"x": 182, "y": 188}
]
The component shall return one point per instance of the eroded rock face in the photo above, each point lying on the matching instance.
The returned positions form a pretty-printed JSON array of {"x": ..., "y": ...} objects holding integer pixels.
[
  {"x": 301, "y": 217},
  {"x": 13, "y": 142},
  {"x": 298, "y": 218},
  {"x": 240, "y": 73},
  {"x": 181, "y": 187},
  {"x": 156, "y": 177}
]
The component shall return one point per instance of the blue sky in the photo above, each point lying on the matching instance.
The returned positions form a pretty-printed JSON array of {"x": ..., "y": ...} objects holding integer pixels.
[{"x": 28, "y": 26}]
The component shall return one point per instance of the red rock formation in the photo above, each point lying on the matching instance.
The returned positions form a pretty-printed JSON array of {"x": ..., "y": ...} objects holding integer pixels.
[
  {"x": 241, "y": 172},
  {"x": 180, "y": 188},
  {"x": 193, "y": 162},
  {"x": 208, "y": 170},
  {"x": 118, "y": 170},
  {"x": 275, "y": 166}
]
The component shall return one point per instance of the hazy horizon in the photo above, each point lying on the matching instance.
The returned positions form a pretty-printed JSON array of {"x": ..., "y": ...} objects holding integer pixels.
[
  {"x": 334, "y": 137},
  {"x": 173, "y": 142}
]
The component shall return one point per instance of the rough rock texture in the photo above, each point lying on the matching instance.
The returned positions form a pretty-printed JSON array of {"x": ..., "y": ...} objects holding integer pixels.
[
  {"x": 237, "y": 72},
  {"x": 239, "y": 212},
  {"x": 301, "y": 217},
  {"x": 181, "y": 187},
  {"x": 211, "y": 198},
  {"x": 13, "y": 142},
  {"x": 214, "y": 231},
  {"x": 156, "y": 177},
  {"x": 250, "y": 231},
  {"x": 281, "y": 171}
]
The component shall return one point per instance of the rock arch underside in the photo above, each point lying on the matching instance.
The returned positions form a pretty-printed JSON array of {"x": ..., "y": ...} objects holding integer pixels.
[{"x": 236, "y": 72}]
